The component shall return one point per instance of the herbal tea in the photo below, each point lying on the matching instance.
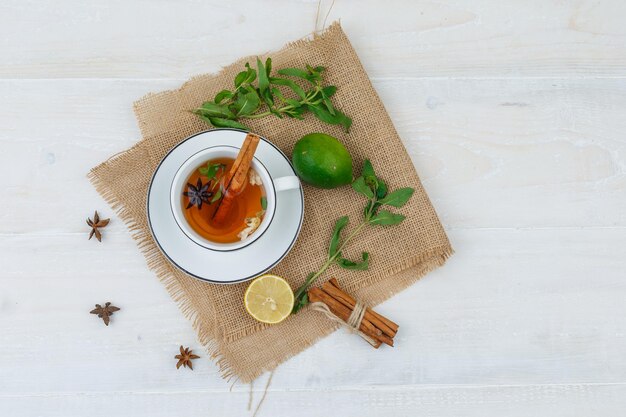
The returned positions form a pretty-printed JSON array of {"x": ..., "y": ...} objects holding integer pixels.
[{"x": 220, "y": 219}]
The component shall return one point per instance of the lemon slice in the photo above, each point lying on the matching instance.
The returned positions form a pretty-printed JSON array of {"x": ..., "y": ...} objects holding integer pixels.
[{"x": 269, "y": 299}]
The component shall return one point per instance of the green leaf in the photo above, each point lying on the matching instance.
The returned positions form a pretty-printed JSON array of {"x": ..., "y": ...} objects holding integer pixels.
[
  {"x": 398, "y": 198},
  {"x": 245, "y": 77},
  {"x": 204, "y": 118},
  {"x": 376, "y": 184},
  {"x": 368, "y": 169},
  {"x": 295, "y": 113},
  {"x": 344, "y": 120},
  {"x": 264, "y": 203},
  {"x": 247, "y": 103},
  {"x": 329, "y": 106},
  {"x": 324, "y": 115},
  {"x": 294, "y": 72},
  {"x": 264, "y": 82},
  {"x": 251, "y": 76},
  {"x": 381, "y": 191},
  {"x": 276, "y": 113},
  {"x": 336, "y": 237},
  {"x": 301, "y": 296},
  {"x": 362, "y": 188},
  {"x": 359, "y": 266},
  {"x": 212, "y": 109},
  {"x": 387, "y": 218},
  {"x": 211, "y": 170},
  {"x": 220, "y": 122},
  {"x": 300, "y": 302},
  {"x": 314, "y": 75},
  {"x": 288, "y": 83},
  {"x": 268, "y": 67},
  {"x": 276, "y": 92},
  {"x": 217, "y": 196},
  {"x": 293, "y": 103},
  {"x": 268, "y": 98},
  {"x": 329, "y": 90},
  {"x": 223, "y": 95},
  {"x": 241, "y": 78},
  {"x": 373, "y": 211}
]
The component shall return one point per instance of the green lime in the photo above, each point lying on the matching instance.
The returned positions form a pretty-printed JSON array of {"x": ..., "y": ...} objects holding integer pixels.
[{"x": 322, "y": 161}]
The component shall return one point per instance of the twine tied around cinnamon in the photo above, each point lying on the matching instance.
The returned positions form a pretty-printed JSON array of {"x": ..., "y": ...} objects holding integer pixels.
[{"x": 354, "y": 321}]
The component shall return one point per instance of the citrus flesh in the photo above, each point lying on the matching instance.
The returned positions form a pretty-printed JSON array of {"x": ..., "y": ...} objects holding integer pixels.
[
  {"x": 269, "y": 299},
  {"x": 322, "y": 161}
]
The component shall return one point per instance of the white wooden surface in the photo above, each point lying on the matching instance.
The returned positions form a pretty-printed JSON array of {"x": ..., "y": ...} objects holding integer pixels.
[{"x": 513, "y": 113}]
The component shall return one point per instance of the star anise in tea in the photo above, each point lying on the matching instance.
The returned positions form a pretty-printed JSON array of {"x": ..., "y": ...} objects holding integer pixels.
[
  {"x": 95, "y": 225},
  {"x": 185, "y": 358},
  {"x": 105, "y": 312},
  {"x": 198, "y": 194}
]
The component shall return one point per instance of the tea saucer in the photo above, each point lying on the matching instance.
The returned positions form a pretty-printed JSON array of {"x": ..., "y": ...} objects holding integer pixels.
[{"x": 224, "y": 267}]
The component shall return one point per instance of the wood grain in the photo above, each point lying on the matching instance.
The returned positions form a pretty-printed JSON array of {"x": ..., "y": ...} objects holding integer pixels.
[
  {"x": 463, "y": 38},
  {"x": 571, "y": 400},
  {"x": 514, "y": 116}
]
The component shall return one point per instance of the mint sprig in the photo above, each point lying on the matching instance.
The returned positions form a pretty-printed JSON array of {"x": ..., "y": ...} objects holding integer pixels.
[
  {"x": 248, "y": 100},
  {"x": 377, "y": 194}
]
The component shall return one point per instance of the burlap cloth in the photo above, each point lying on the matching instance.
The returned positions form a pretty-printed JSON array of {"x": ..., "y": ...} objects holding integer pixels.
[{"x": 399, "y": 255}]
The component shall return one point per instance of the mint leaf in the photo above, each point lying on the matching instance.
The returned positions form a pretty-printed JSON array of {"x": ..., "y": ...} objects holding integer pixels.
[
  {"x": 221, "y": 122},
  {"x": 336, "y": 237},
  {"x": 268, "y": 67},
  {"x": 211, "y": 170},
  {"x": 264, "y": 82},
  {"x": 387, "y": 218},
  {"x": 398, "y": 198},
  {"x": 288, "y": 83},
  {"x": 240, "y": 78},
  {"x": 294, "y": 72},
  {"x": 381, "y": 191},
  {"x": 359, "y": 266},
  {"x": 360, "y": 187},
  {"x": 301, "y": 297},
  {"x": 329, "y": 91},
  {"x": 368, "y": 169},
  {"x": 217, "y": 196},
  {"x": 211, "y": 109},
  {"x": 223, "y": 95},
  {"x": 247, "y": 103}
]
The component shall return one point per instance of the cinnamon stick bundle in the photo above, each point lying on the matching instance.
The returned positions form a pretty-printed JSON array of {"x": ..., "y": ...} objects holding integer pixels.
[
  {"x": 237, "y": 177},
  {"x": 377, "y": 327}
]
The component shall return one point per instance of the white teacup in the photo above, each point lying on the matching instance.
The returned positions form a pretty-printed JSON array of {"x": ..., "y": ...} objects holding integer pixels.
[{"x": 273, "y": 186}]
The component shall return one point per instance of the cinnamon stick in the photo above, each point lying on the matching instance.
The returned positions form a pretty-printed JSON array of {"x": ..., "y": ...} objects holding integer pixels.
[
  {"x": 237, "y": 177},
  {"x": 387, "y": 326},
  {"x": 343, "y": 312}
]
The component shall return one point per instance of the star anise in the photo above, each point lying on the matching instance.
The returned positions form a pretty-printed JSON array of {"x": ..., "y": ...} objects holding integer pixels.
[
  {"x": 96, "y": 224},
  {"x": 105, "y": 312},
  {"x": 198, "y": 194},
  {"x": 185, "y": 357}
]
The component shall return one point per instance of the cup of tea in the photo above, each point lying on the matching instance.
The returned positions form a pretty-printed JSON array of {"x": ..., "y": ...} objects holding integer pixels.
[{"x": 197, "y": 191}]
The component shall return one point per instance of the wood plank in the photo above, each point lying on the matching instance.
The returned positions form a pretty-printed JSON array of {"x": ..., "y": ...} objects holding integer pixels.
[
  {"x": 607, "y": 400},
  {"x": 492, "y": 153},
  {"x": 419, "y": 39},
  {"x": 513, "y": 115},
  {"x": 511, "y": 307}
]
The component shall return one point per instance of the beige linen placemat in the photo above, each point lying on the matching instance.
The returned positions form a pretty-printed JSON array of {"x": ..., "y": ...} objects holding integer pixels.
[{"x": 399, "y": 255}]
